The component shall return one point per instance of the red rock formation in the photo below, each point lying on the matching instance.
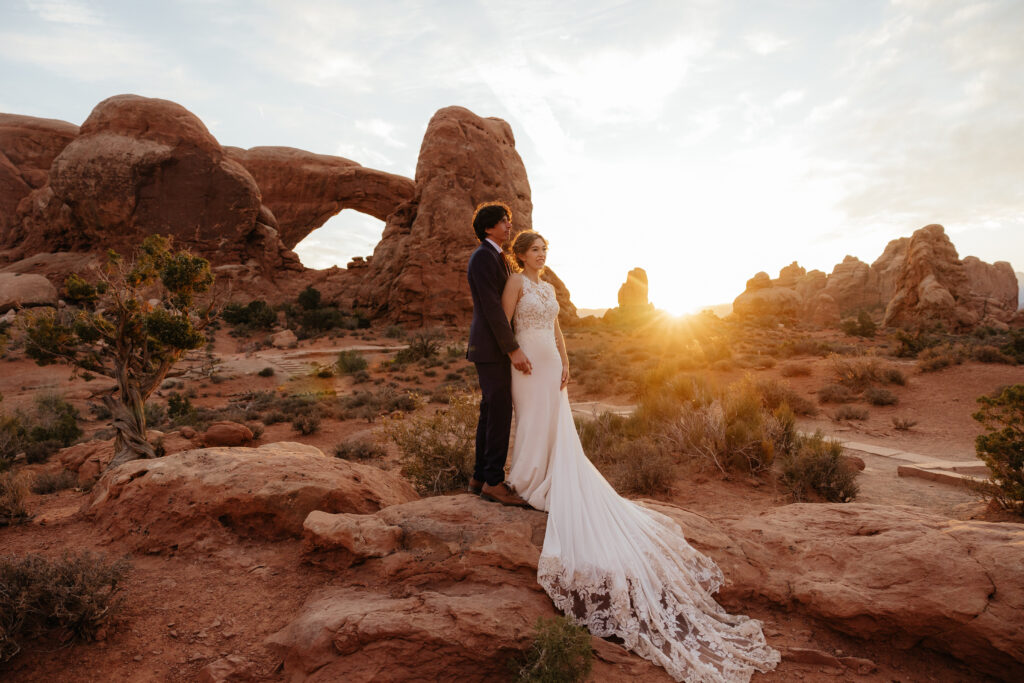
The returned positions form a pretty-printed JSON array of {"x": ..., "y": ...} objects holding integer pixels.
[
  {"x": 853, "y": 287},
  {"x": 28, "y": 146},
  {"x": 886, "y": 268},
  {"x": 932, "y": 285},
  {"x": 790, "y": 275},
  {"x": 762, "y": 299},
  {"x": 417, "y": 274},
  {"x": 633, "y": 292},
  {"x": 993, "y": 287},
  {"x": 141, "y": 166},
  {"x": 192, "y": 498},
  {"x": 304, "y": 189}
]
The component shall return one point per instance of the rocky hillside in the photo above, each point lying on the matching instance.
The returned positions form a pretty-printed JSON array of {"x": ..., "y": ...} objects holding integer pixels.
[{"x": 917, "y": 280}]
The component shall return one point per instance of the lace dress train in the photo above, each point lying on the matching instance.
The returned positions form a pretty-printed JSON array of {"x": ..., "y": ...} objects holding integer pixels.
[{"x": 608, "y": 563}]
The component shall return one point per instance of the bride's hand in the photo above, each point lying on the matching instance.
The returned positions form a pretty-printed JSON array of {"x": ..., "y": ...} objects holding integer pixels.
[{"x": 565, "y": 377}]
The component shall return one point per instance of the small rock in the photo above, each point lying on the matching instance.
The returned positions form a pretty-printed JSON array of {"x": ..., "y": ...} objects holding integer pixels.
[
  {"x": 187, "y": 432},
  {"x": 137, "y": 658},
  {"x": 284, "y": 340}
]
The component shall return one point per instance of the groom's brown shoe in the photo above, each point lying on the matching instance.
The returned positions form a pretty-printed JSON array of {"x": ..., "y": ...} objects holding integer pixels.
[
  {"x": 474, "y": 486},
  {"x": 501, "y": 493}
]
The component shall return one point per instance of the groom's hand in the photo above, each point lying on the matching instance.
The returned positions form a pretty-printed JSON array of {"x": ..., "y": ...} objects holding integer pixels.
[{"x": 520, "y": 361}]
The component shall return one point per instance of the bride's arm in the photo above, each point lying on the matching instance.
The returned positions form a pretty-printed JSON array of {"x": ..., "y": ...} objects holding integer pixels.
[
  {"x": 510, "y": 297},
  {"x": 560, "y": 343}
]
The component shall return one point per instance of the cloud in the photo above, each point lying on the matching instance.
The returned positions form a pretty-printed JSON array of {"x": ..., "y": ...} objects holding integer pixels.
[
  {"x": 764, "y": 43},
  {"x": 64, "y": 12},
  {"x": 381, "y": 129}
]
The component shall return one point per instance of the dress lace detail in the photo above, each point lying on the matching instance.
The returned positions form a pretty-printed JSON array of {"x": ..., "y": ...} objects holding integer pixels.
[
  {"x": 537, "y": 308},
  {"x": 608, "y": 563}
]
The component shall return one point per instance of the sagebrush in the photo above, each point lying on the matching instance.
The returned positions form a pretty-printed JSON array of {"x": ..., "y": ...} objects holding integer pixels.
[{"x": 438, "y": 450}]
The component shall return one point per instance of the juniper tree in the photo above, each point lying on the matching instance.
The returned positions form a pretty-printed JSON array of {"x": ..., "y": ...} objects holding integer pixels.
[{"x": 131, "y": 324}]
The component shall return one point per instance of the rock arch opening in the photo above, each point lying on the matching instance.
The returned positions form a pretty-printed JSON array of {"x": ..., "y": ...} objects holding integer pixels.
[{"x": 346, "y": 235}]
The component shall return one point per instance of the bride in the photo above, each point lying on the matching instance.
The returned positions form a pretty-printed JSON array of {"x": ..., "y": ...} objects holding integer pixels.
[{"x": 609, "y": 564}]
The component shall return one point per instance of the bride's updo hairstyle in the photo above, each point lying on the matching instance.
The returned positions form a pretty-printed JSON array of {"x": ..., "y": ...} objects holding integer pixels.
[
  {"x": 524, "y": 241},
  {"x": 487, "y": 215}
]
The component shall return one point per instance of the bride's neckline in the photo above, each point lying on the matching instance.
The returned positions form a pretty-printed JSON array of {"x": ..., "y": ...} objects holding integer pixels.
[{"x": 527, "y": 277}]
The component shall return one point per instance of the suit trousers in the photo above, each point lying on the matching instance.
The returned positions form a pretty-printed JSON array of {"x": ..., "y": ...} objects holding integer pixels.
[{"x": 492, "y": 431}]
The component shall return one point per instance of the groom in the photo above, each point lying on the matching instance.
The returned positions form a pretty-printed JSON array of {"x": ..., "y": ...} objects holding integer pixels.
[{"x": 493, "y": 349}]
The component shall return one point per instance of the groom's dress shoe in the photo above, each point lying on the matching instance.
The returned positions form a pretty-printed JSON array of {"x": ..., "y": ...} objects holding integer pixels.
[
  {"x": 475, "y": 485},
  {"x": 501, "y": 493}
]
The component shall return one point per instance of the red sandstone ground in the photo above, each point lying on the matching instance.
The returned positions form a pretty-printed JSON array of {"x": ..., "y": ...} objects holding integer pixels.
[{"x": 185, "y": 611}]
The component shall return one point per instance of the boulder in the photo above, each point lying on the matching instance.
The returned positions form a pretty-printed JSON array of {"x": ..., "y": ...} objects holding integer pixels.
[
  {"x": 227, "y": 433},
  {"x": 19, "y": 290},
  {"x": 932, "y": 285},
  {"x": 993, "y": 288},
  {"x": 894, "y": 574},
  {"x": 285, "y": 339},
  {"x": 448, "y": 592},
  {"x": 195, "y": 498},
  {"x": 776, "y": 302},
  {"x": 304, "y": 189},
  {"x": 633, "y": 292}
]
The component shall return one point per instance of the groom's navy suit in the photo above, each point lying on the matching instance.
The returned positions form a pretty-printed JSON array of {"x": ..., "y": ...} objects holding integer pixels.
[{"x": 490, "y": 342}]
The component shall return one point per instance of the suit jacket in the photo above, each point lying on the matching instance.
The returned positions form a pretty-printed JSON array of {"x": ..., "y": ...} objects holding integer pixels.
[{"x": 490, "y": 335}]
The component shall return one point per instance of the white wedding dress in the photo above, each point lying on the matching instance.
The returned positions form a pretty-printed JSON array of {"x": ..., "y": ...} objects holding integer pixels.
[{"x": 610, "y": 564}]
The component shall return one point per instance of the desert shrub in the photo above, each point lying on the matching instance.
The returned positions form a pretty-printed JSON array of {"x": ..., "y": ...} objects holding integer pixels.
[
  {"x": 156, "y": 413},
  {"x": 939, "y": 357},
  {"x": 12, "y": 439},
  {"x": 438, "y": 449},
  {"x": 394, "y": 332},
  {"x": 324, "y": 372},
  {"x": 358, "y": 449},
  {"x": 877, "y": 396},
  {"x": 266, "y": 372},
  {"x": 834, "y": 393},
  {"x": 50, "y": 482},
  {"x": 55, "y": 419},
  {"x": 306, "y": 424},
  {"x": 181, "y": 410},
  {"x": 13, "y": 492},
  {"x": 862, "y": 326},
  {"x": 775, "y": 394},
  {"x": 368, "y": 404},
  {"x": 350, "y": 362},
  {"x": 816, "y": 467},
  {"x": 804, "y": 346},
  {"x": 560, "y": 653},
  {"x": 71, "y": 597},
  {"x": 795, "y": 369},
  {"x": 903, "y": 423},
  {"x": 643, "y": 468},
  {"x": 255, "y": 315},
  {"x": 857, "y": 373},
  {"x": 423, "y": 344},
  {"x": 40, "y": 451},
  {"x": 991, "y": 354},
  {"x": 100, "y": 411},
  {"x": 1014, "y": 347},
  {"x": 309, "y": 298},
  {"x": 892, "y": 375},
  {"x": 847, "y": 412},
  {"x": 910, "y": 345},
  {"x": 1002, "y": 446}
]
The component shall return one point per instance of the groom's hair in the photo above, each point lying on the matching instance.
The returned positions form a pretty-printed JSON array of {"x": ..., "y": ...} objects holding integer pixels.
[{"x": 487, "y": 216}]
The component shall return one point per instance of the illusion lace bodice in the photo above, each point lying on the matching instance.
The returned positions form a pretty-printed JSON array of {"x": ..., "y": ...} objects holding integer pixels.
[{"x": 537, "y": 308}]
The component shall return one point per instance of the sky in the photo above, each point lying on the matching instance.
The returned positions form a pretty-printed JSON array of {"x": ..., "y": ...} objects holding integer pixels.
[{"x": 703, "y": 141}]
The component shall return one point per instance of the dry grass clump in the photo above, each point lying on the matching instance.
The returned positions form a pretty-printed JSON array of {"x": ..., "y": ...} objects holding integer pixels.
[
  {"x": 13, "y": 493},
  {"x": 903, "y": 423},
  {"x": 438, "y": 450},
  {"x": 775, "y": 394},
  {"x": 51, "y": 482},
  {"x": 939, "y": 357},
  {"x": 642, "y": 467},
  {"x": 990, "y": 354},
  {"x": 816, "y": 469},
  {"x": 69, "y": 598},
  {"x": 359, "y": 449},
  {"x": 835, "y": 393},
  {"x": 795, "y": 369},
  {"x": 877, "y": 396},
  {"x": 859, "y": 373},
  {"x": 847, "y": 412}
]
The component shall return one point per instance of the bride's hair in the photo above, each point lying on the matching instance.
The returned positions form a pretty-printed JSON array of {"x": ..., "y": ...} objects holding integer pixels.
[{"x": 524, "y": 241}]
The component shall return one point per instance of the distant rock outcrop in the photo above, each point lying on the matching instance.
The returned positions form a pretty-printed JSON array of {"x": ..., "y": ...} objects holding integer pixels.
[
  {"x": 633, "y": 292},
  {"x": 918, "y": 280},
  {"x": 27, "y": 148}
]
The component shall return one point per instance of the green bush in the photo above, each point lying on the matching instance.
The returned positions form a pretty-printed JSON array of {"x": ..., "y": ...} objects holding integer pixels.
[
  {"x": 816, "y": 468},
  {"x": 266, "y": 372},
  {"x": 13, "y": 492},
  {"x": 991, "y": 354},
  {"x": 54, "y": 419},
  {"x": 423, "y": 344},
  {"x": 560, "y": 653},
  {"x": 438, "y": 449},
  {"x": 1002, "y": 446},
  {"x": 359, "y": 449},
  {"x": 70, "y": 598},
  {"x": 863, "y": 326},
  {"x": 939, "y": 357},
  {"x": 309, "y": 298},
  {"x": 350, "y": 362},
  {"x": 256, "y": 315}
]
